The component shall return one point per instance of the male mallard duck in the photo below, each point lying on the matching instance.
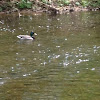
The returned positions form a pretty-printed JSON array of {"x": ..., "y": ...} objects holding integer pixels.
[{"x": 26, "y": 37}]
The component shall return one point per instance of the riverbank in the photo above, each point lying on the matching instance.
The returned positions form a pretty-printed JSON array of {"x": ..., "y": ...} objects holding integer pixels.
[{"x": 41, "y": 7}]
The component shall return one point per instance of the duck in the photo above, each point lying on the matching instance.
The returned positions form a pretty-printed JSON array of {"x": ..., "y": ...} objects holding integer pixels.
[{"x": 26, "y": 37}]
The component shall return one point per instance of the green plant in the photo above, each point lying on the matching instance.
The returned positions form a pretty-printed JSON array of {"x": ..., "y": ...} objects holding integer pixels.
[
  {"x": 24, "y": 4},
  {"x": 66, "y": 2},
  {"x": 44, "y": 1},
  {"x": 85, "y": 3},
  {"x": 77, "y": 3},
  {"x": 95, "y": 3}
]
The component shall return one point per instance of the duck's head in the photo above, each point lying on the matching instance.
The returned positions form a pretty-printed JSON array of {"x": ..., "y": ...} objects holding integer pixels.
[{"x": 31, "y": 34}]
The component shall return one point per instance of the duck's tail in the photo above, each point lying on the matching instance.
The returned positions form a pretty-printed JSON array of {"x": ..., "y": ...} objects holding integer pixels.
[{"x": 19, "y": 37}]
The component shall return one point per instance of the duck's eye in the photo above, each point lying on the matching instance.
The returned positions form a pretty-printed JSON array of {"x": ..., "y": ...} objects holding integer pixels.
[{"x": 21, "y": 37}]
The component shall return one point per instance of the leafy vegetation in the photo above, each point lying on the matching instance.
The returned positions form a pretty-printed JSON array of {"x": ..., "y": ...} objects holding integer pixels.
[
  {"x": 65, "y": 2},
  {"x": 45, "y": 1},
  {"x": 29, "y": 4},
  {"x": 95, "y": 3},
  {"x": 24, "y": 4},
  {"x": 85, "y": 3},
  {"x": 91, "y": 3}
]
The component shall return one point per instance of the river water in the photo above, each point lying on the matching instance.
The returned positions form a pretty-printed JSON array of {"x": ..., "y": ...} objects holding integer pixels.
[{"x": 62, "y": 63}]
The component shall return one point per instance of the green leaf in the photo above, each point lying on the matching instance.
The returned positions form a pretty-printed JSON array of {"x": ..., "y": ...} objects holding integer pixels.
[
  {"x": 85, "y": 3},
  {"x": 77, "y": 3},
  {"x": 66, "y": 2},
  {"x": 29, "y": 5},
  {"x": 23, "y": 4},
  {"x": 44, "y": 1}
]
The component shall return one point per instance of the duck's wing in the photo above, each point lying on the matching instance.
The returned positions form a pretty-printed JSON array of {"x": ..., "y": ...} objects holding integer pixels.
[{"x": 24, "y": 37}]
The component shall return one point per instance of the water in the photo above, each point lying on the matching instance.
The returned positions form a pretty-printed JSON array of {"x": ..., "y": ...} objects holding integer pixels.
[{"x": 62, "y": 63}]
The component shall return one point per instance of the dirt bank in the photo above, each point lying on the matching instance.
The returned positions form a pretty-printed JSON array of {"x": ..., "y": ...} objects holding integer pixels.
[{"x": 40, "y": 7}]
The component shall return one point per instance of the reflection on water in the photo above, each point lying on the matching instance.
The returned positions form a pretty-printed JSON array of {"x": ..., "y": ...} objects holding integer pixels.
[{"x": 61, "y": 63}]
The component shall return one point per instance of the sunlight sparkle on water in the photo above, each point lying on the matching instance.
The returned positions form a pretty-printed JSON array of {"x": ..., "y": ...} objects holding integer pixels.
[
  {"x": 93, "y": 69},
  {"x": 80, "y": 60},
  {"x": 26, "y": 75},
  {"x": 65, "y": 51}
]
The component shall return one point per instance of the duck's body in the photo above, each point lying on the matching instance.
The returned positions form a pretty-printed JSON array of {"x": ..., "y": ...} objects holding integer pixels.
[{"x": 26, "y": 37}]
